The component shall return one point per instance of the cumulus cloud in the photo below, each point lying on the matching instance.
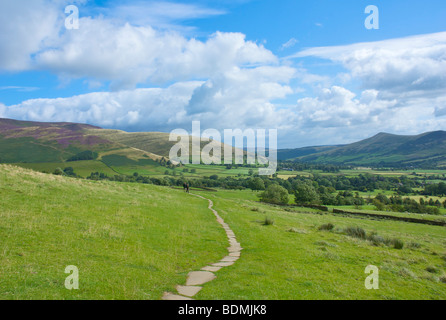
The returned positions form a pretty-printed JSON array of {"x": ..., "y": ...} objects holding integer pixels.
[
  {"x": 25, "y": 28},
  {"x": 107, "y": 49},
  {"x": 130, "y": 55},
  {"x": 139, "y": 109},
  {"x": 239, "y": 98},
  {"x": 223, "y": 80},
  {"x": 406, "y": 65},
  {"x": 339, "y": 107}
]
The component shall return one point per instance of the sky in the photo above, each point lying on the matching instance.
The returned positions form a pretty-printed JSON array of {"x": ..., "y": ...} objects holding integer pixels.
[{"x": 310, "y": 69}]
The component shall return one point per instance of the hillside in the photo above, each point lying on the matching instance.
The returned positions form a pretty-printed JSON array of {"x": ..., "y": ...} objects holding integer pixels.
[
  {"x": 136, "y": 241},
  {"x": 27, "y": 142},
  {"x": 286, "y": 154},
  {"x": 38, "y": 142},
  {"x": 129, "y": 241},
  {"x": 427, "y": 149}
]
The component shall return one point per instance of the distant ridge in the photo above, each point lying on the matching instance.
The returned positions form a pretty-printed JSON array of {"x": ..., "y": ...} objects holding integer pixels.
[
  {"x": 35, "y": 142},
  {"x": 384, "y": 149}
]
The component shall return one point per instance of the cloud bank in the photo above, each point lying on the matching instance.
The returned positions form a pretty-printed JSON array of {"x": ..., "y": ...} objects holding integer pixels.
[{"x": 161, "y": 79}]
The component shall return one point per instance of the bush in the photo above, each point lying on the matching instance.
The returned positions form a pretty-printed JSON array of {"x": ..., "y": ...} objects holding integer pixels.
[
  {"x": 268, "y": 222},
  {"x": 85, "y": 155},
  {"x": 356, "y": 232},
  {"x": 414, "y": 245},
  {"x": 397, "y": 243},
  {"x": 431, "y": 269},
  {"x": 376, "y": 239},
  {"x": 327, "y": 227},
  {"x": 59, "y": 172},
  {"x": 275, "y": 194}
]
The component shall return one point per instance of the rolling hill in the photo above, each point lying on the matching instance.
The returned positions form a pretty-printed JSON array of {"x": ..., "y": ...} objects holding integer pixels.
[
  {"x": 40, "y": 142},
  {"x": 427, "y": 149},
  {"x": 37, "y": 142},
  {"x": 286, "y": 154},
  {"x": 47, "y": 146}
]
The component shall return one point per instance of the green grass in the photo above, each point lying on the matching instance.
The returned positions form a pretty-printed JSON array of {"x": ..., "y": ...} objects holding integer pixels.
[
  {"x": 129, "y": 241},
  {"x": 82, "y": 168},
  {"x": 27, "y": 149},
  {"x": 133, "y": 241},
  {"x": 311, "y": 264}
]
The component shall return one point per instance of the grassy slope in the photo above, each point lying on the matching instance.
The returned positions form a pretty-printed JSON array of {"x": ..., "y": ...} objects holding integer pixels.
[
  {"x": 134, "y": 241},
  {"x": 312, "y": 264},
  {"x": 129, "y": 241},
  {"x": 154, "y": 142},
  {"x": 425, "y": 148},
  {"x": 82, "y": 168}
]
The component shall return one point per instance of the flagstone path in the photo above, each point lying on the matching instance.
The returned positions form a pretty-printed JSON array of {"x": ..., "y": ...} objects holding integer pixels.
[{"x": 197, "y": 278}]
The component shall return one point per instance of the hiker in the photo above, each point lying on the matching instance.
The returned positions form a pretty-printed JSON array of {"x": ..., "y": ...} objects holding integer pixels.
[{"x": 187, "y": 186}]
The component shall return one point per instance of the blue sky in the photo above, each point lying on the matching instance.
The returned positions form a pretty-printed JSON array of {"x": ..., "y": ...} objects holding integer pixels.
[{"x": 308, "y": 68}]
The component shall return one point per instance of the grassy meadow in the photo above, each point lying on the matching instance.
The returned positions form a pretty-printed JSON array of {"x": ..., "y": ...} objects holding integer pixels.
[
  {"x": 129, "y": 241},
  {"x": 135, "y": 241},
  {"x": 292, "y": 259}
]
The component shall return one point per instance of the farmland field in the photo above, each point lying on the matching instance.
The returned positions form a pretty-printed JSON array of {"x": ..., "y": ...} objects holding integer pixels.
[{"x": 134, "y": 241}]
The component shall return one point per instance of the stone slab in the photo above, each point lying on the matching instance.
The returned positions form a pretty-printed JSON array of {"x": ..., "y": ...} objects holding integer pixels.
[
  {"x": 196, "y": 278},
  {"x": 188, "y": 291}
]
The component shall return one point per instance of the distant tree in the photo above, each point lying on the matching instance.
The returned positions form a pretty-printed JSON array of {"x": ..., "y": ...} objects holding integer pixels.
[
  {"x": 58, "y": 172},
  {"x": 193, "y": 170},
  {"x": 256, "y": 184},
  {"x": 305, "y": 193},
  {"x": 379, "y": 205},
  {"x": 275, "y": 194},
  {"x": 404, "y": 189},
  {"x": 84, "y": 155},
  {"x": 213, "y": 177},
  {"x": 69, "y": 171}
]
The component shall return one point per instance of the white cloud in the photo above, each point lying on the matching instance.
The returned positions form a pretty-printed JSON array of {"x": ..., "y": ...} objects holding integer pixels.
[
  {"x": 339, "y": 107},
  {"x": 414, "y": 64},
  {"x": 141, "y": 109},
  {"x": 159, "y": 14},
  {"x": 128, "y": 55},
  {"x": 24, "y": 30},
  {"x": 19, "y": 88},
  {"x": 33, "y": 36},
  {"x": 224, "y": 80}
]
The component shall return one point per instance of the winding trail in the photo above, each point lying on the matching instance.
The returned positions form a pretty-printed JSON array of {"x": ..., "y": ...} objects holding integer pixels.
[{"x": 197, "y": 278}]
